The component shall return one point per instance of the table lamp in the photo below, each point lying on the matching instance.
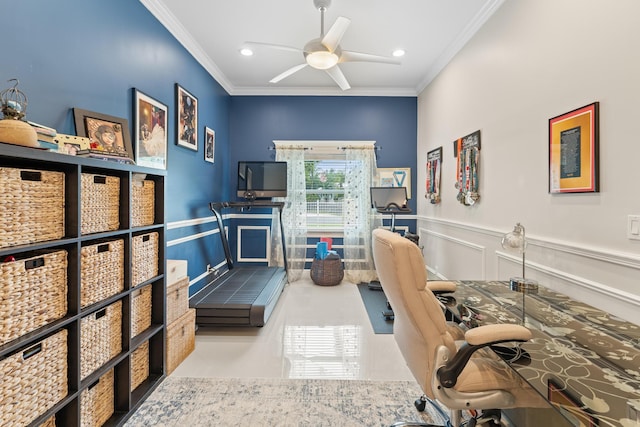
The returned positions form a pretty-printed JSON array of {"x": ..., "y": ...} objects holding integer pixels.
[{"x": 515, "y": 241}]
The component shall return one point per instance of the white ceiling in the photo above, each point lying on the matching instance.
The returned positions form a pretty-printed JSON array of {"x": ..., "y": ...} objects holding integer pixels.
[{"x": 430, "y": 31}]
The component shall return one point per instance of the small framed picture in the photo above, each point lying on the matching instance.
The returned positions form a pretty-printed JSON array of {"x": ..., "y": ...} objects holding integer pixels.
[
  {"x": 108, "y": 135},
  {"x": 209, "y": 144},
  {"x": 186, "y": 119},
  {"x": 150, "y": 131}
]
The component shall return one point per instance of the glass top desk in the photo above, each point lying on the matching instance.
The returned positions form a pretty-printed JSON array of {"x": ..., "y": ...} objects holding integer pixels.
[{"x": 583, "y": 360}]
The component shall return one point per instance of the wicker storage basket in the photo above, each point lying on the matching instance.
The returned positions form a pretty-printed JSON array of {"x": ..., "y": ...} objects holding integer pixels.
[
  {"x": 100, "y": 203},
  {"x": 140, "y": 310},
  {"x": 101, "y": 271},
  {"x": 177, "y": 299},
  {"x": 33, "y": 206},
  {"x": 39, "y": 281},
  {"x": 327, "y": 272},
  {"x": 144, "y": 257},
  {"x": 143, "y": 197},
  {"x": 97, "y": 401},
  {"x": 33, "y": 381},
  {"x": 181, "y": 339},
  {"x": 49, "y": 422},
  {"x": 139, "y": 365},
  {"x": 100, "y": 338}
]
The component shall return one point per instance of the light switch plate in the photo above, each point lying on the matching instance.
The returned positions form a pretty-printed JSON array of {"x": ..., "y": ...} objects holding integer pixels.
[{"x": 633, "y": 227}]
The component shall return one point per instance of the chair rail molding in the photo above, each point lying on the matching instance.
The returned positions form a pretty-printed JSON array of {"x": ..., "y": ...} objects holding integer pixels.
[{"x": 585, "y": 273}]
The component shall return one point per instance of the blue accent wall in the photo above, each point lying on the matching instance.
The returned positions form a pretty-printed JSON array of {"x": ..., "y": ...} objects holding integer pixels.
[
  {"x": 91, "y": 55},
  {"x": 390, "y": 121}
]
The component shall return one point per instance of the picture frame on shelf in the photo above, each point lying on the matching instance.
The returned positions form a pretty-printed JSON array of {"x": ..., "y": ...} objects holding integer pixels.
[
  {"x": 150, "y": 128},
  {"x": 109, "y": 136},
  {"x": 395, "y": 177},
  {"x": 209, "y": 145},
  {"x": 186, "y": 119},
  {"x": 574, "y": 151}
]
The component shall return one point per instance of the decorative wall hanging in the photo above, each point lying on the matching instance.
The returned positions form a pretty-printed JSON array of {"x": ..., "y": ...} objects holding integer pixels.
[
  {"x": 209, "y": 144},
  {"x": 395, "y": 177},
  {"x": 150, "y": 131},
  {"x": 573, "y": 151},
  {"x": 187, "y": 119},
  {"x": 434, "y": 160},
  {"x": 467, "y": 153}
]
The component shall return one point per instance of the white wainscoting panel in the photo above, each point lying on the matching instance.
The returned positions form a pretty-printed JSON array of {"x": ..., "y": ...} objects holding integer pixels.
[
  {"x": 452, "y": 257},
  {"x": 267, "y": 242},
  {"x": 604, "y": 279}
]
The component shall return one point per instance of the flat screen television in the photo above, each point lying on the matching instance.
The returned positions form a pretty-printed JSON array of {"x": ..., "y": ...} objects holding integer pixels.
[{"x": 262, "y": 180}]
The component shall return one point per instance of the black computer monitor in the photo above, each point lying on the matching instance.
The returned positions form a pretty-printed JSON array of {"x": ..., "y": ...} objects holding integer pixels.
[{"x": 389, "y": 198}]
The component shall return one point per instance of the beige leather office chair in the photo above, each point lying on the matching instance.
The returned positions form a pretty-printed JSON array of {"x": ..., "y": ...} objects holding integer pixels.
[{"x": 444, "y": 369}]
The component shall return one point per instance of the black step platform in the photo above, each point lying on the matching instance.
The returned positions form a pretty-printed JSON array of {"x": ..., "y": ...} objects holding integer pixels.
[{"x": 243, "y": 296}]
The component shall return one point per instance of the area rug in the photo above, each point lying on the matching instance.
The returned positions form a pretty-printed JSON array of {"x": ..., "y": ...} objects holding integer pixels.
[
  {"x": 188, "y": 402},
  {"x": 376, "y": 302}
]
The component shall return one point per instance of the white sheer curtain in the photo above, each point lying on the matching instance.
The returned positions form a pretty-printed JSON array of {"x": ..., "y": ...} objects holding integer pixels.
[
  {"x": 359, "y": 218},
  {"x": 294, "y": 214}
]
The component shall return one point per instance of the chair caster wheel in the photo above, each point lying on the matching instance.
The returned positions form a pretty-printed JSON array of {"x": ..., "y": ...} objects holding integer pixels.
[{"x": 420, "y": 404}]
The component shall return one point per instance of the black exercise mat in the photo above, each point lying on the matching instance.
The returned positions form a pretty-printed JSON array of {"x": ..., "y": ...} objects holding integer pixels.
[{"x": 375, "y": 302}]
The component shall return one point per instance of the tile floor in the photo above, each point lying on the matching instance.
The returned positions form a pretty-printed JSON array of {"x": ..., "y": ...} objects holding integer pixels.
[{"x": 314, "y": 332}]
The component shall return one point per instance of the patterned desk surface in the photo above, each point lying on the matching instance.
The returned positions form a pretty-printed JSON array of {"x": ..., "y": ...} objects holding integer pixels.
[{"x": 580, "y": 357}]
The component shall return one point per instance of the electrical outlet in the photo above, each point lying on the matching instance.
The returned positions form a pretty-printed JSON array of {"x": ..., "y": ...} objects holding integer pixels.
[{"x": 633, "y": 227}]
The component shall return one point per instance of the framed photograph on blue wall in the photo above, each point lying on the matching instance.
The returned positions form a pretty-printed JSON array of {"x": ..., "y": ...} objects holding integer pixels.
[
  {"x": 186, "y": 119},
  {"x": 209, "y": 144},
  {"x": 150, "y": 131}
]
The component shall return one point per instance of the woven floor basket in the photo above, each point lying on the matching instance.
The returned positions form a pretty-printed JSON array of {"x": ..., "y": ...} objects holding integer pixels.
[
  {"x": 100, "y": 203},
  {"x": 177, "y": 299},
  {"x": 39, "y": 281},
  {"x": 101, "y": 271},
  {"x": 97, "y": 402},
  {"x": 144, "y": 258},
  {"x": 32, "y": 206},
  {"x": 143, "y": 196},
  {"x": 181, "y": 339},
  {"x": 140, "y": 310},
  {"x": 33, "y": 381},
  {"x": 49, "y": 422},
  {"x": 100, "y": 338},
  {"x": 327, "y": 272},
  {"x": 139, "y": 365}
]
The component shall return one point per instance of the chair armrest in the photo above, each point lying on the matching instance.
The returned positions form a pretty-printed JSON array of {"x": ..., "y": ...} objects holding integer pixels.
[
  {"x": 491, "y": 334},
  {"x": 441, "y": 286},
  {"x": 475, "y": 339}
]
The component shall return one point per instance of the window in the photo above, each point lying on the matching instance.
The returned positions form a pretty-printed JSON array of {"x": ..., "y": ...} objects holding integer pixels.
[{"x": 325, "y": 193}]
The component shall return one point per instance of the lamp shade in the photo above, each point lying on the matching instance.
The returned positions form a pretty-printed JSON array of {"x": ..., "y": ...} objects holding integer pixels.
[{"x": 515, "y": 241}]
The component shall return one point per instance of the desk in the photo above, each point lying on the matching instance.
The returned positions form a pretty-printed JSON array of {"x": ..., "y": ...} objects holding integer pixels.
[{"x": 585, "y": 361}]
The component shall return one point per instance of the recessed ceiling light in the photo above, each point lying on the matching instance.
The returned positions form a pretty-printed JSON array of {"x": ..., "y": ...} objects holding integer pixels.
[
  {"x": 398, "y": 52},
  {"x": 246, "y": 51}
]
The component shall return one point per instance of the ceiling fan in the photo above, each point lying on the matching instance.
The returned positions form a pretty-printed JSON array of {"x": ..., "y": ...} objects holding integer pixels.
[{"x": 325, "y": 53}]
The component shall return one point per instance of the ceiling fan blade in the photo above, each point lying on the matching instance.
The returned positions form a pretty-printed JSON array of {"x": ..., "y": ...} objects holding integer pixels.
[
  {"x": 349, "y": 56},
  {"x": 331, "y": 40},
  {"x": 338, "y": 77},
  {"x": 287, "y": 73},
  {"x": 273, "y": 46}
]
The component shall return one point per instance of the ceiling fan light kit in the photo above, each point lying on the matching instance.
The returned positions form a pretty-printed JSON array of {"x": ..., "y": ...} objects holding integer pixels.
[{"x": 325, "y": 53}]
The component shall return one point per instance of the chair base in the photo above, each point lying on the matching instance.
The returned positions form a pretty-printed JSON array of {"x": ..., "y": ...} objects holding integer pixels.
[{"x": 489, "y": 418}]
